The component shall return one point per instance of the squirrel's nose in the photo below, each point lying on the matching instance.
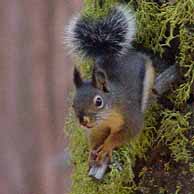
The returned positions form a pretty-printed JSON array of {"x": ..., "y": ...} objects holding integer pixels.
[{"x": 84, "y": 120}]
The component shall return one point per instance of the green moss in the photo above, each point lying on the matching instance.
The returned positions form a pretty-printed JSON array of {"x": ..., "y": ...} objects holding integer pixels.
[
  {"x": 172, "y": 131},
  {"x": 86, "y": 68},
  {"x": 186, "y": 61},
  {"x": 191, "y": 167},
  {"x": 158, "y": 27},
  {"x": 93, "y": 8}
]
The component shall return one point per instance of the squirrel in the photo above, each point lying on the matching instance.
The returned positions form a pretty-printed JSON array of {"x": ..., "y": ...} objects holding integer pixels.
[{"x": 112, "y": 103}]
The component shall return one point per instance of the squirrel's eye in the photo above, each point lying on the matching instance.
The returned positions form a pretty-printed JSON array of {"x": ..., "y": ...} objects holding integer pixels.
[{"x": 98, "y": 101}]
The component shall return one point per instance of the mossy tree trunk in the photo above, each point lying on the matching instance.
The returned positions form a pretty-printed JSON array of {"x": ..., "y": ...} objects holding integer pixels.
[{"x": 161, "y": 160}]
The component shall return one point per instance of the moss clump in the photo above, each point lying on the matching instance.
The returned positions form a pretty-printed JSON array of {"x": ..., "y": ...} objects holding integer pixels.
[
  {"x": 86, "y": 68},
  {"x": 186, "y": 62},
  {"x": 97, "y": 8},
  {"x": 158, "y": 25},
  {"x": 172, "y": 133},
  {"x": 160, "y": 160}
]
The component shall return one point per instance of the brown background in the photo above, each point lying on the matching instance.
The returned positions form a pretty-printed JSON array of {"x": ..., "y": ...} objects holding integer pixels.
[{"x": 35, "y": 76}]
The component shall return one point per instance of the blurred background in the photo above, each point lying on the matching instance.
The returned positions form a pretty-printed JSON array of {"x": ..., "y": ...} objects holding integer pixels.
[{"x": 35, "y": 78}]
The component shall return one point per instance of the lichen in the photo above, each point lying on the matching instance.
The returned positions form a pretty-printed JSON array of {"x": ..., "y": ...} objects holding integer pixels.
[
  {"x": 172, "y": 132},
  {"x": 186, "y": 62}
]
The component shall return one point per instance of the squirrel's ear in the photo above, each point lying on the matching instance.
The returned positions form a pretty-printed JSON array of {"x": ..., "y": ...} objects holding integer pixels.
[
  {"x": 99, "y": 80},
  {"x": 77, "y": 79}
]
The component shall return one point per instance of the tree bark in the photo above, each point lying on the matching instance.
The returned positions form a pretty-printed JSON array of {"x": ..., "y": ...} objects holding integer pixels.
[{"x": 34, "y": 77}]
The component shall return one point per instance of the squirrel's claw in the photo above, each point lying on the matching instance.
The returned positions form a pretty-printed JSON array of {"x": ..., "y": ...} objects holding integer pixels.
[
  {"x": 92, "y": 157},
  {"x": 102, "y": 152}
]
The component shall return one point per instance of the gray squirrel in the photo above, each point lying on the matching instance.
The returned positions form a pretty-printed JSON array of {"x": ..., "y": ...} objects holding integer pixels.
[{"x": 112, "y": 103}]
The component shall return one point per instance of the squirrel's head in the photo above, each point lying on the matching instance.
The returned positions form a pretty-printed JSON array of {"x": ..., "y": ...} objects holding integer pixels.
[{"x": 92, "y": 102}]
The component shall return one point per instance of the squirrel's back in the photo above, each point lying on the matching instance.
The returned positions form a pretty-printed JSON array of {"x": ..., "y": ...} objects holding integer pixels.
[{"x": 128, "y": 75}]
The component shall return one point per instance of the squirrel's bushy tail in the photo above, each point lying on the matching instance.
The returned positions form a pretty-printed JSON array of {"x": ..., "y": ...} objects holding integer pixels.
[{"x": 111, "y": 35}]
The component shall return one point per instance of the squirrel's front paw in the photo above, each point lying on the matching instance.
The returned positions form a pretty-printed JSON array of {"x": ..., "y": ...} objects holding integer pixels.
[
  {"x": 103, "y": 151},
  {"x": 92, "y": 157}
]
